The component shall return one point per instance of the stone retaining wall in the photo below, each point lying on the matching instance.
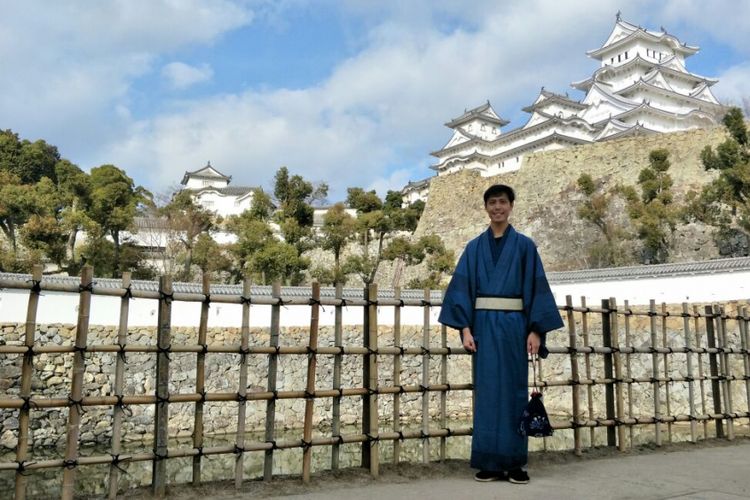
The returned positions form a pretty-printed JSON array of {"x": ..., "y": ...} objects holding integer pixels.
[{"x": 547, "y": 197}]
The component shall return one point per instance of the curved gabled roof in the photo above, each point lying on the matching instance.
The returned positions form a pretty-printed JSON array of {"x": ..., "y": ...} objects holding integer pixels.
[
  {"x": 624, "y": 34},
  {"x": 546, "y": 97},
  {"x": 483, "y": 112},
  {"x": 207, "y": 172},
  {"x": 641, "y": 84}
]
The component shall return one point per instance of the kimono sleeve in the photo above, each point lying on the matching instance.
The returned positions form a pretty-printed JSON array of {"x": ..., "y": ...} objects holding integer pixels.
[
  {"x": 457, "y": 310},
  {"x": 541, "y": 309}
]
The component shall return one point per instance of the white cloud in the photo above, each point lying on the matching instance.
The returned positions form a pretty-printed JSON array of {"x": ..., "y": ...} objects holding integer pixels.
[
  {"x": 68, "y": 69},
  {"x": 734, "y": 88},
  {"x": 371, "y": 123},
  {"x": 181, "y": 76}
]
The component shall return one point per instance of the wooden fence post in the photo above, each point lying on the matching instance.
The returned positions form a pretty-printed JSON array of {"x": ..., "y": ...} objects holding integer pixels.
[
  {"x": 200, "y": 377},
  {"x": 629, "y": 369},
  {"x": 312, "y": 347},
  {"x": 726, "y": 381},
  {"x": 117, "y": 411},
  {"x": 575, "y": 378},
  {"x": 702, "y": 385},
  {"x": 443, "y": 394},
  {"x": 667, "y": 383},
  {"x": 619, "y": 402},
  {"x": 365, "y": 462},
  {"x": 372, "y": 383},
  {"x": 587, "y": 363},
  {"x": 337, "y": 359},
  {"x": 397, "y": 376},
  {"x": 745, "y": 345},
  {"x": 27, "y": 368},
  {"x": 161, "y": 410},
  {"x": 426, "y": 375},
  {"x": 714, "y": 370},
  {"x": 655, "y": 373},
  {"x": 242, "y": 389},
  {"x": 690, "y": 372},
  {"x": 609, "y": 393},
  {"x": 79, "y": 366},
  {"x": 273, "y": 363}
]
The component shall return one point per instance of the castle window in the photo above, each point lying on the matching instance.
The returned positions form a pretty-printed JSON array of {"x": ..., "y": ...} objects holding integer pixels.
[
  {"x": 612, "y": 60},
  {"x": 619, "y": 57},
  {"x": 626, "y": 54}
]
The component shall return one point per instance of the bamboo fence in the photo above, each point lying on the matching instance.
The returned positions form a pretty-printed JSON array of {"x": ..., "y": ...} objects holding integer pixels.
[{"x": 726, "y": 338}]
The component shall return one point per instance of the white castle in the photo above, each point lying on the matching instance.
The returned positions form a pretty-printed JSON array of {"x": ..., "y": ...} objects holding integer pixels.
[{"x": 641, "y": 87}]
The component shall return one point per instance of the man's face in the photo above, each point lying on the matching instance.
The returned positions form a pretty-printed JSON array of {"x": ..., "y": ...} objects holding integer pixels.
[{"x": 498, "y": 208}]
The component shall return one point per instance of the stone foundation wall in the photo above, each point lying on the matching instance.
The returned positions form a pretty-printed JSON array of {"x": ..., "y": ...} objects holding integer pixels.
[
  {"x": 547, "y": 197},
  {"x": 51, "y": 379}
]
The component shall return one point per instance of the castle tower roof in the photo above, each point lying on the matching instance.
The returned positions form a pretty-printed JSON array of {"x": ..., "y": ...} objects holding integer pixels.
[
  {"x": 207, "y": 172},
  {"x": 625, "y": 34},
  {"x": 483, "y": 112}
]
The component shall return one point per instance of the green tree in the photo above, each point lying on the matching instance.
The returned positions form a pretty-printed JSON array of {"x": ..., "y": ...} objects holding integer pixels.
[
  {"x": 596, "y": 208},
  {"x": 252, "y": 236},
  {"x": 337, "y": 230},
  {"x": 209, "y": 256},
  {"x": 654, "y": 214},
  {"x": 115, "y": 201},
  {"x": 725, "y": 202},
  {"x": 30, "y": 161},
  {"x": 74, "y": 192},
  {"x": 294, "y": 196},
  {"x": 17, "y": 204},
  {"x": 188, "y": 221},
  {"x": 376, "y": 221}
]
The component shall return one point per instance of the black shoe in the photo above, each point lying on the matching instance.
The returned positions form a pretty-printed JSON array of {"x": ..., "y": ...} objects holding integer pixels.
[
  {"x": 489, "y": 475},
  {"x": 518, "y": 476}
]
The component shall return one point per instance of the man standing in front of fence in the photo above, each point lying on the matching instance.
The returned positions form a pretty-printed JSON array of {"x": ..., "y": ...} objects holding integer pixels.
[{"x": 501, "y": 303}]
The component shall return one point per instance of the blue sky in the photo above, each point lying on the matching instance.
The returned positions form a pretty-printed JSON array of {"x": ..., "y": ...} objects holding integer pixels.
[{"x": 350, "y": 92}]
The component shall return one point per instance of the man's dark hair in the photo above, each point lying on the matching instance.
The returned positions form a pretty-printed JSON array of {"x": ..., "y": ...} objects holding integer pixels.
[{"x": 497, "y": 190}]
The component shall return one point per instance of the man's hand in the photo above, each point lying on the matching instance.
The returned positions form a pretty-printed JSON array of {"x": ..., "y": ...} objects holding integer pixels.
[
  {"x": 468, "y": 339},
  {"x": 533, "y": 341}
]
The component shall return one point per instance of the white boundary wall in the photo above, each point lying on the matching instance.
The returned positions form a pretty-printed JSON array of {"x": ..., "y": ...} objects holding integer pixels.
[{"x": 56, "y": 307}]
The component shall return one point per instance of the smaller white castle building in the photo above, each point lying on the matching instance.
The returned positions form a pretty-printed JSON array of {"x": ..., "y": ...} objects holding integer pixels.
[
  {"x": 211, "y": 190},
  {"x": 642, "y": 86}
]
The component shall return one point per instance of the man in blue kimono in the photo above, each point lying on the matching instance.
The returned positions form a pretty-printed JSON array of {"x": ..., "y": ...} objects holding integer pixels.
[{"x": 500, "y": 301}]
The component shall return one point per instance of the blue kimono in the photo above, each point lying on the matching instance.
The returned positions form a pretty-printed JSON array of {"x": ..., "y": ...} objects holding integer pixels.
[{"x": 501, "y": 360}]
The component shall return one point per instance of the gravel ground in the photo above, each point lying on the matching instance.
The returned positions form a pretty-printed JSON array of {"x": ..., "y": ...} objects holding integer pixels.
[{"x": 357, "y": 479}]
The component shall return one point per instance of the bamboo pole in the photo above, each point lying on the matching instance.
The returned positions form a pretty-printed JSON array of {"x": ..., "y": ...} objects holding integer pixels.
[
  {"x": 76, "y": 391},
  {"x": 372, "y": 384},
  {"x": 200, "y": 378},
  {"x": 702, "y": 385},
  {"x": 665, "y": 359},
  {"x": 397, "y": 376},
  {"x": 311, "y": 368},
  {"x": 239, "y": 460},
  {"x": 609, "y": 393},
  {"x": 426, "y": 375},
  {"x": 587, "y": 361},
  {"x": 629, "y": 370},
  {"x": 619, "y": 402},
  {"x": 273, "y": 360},
  {"x": 27, "y": 368},
  {"x": 443, "y": 395},
  {"x": 117, "y": 410},
  {"x": 714, "y": 370},
  {"x": 745, "y": 345},
  {"x": 725, "y": 369},
  {"x": 574, "y": 374},
  {"x": 337, "y": 359},
  {"x": 655, "y": 373},
  {"x": 690, "y": 374},
  {"x": 161, "y": 410}
]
